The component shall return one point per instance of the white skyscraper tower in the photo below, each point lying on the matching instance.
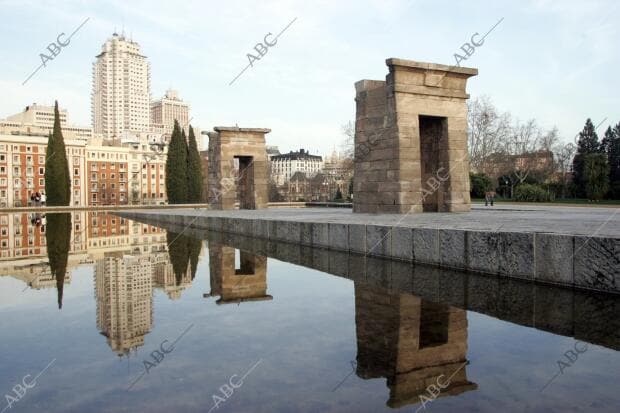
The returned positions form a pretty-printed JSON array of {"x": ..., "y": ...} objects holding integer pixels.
[{"x": 121, "y": 89}]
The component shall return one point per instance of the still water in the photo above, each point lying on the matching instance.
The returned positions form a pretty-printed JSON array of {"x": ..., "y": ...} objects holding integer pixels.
[{"x": 103, "y": 314}]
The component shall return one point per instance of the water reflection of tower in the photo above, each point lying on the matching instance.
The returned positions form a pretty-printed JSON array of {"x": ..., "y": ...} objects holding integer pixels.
[
  {"x": 124, "y": 292},
  {"x": 236, "y": 285},
  {"x": 411, "y": 342}
]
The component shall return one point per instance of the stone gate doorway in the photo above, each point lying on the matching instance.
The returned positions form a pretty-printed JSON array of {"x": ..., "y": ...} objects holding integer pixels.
[
  {"x": 238, "y": 168},
  {"x": 245, "y": 182},
  {"x": 434, "y": 161}
]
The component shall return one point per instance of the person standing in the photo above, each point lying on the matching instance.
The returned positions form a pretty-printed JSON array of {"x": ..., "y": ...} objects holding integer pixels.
[{"x": 489, "y": 197}]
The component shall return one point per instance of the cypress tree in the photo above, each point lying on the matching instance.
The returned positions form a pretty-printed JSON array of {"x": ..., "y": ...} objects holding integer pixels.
[
  {"x": 194, "y": 170},
  {"x": 338, "y": 196},
  {"x": 613, "y": 158},
  {"x": 176, "y": 167},
  {"x": 57, "y": 178},
  {"x": 588, "y": 144}
]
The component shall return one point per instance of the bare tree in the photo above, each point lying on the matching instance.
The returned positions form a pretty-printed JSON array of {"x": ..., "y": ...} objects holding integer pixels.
[
  {"x": 348, "y": 146},
  {"x": 550, "y": 139},
  {"x": 523, "y": 143},
  {"x": 488, "y": 132},
  {"x": 564, "y": 159}
]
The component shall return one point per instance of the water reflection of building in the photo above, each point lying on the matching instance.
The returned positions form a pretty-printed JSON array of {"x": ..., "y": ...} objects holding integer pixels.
[
  {"x": 247, "y": 282},
  {"x": 411, "y": 342},
  {"x": 24, "y": 253},
  {"x": 124, "y": 293},
  {"x": 23, "y": 235},
  {"x": 165, "y": 279},
  {"x": 130, "y": 260}
]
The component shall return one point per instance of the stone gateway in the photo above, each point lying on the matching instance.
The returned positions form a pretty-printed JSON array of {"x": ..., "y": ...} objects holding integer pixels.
[
  {"x": 238, "y": 169},
  {"x": 411, "y": 140}
]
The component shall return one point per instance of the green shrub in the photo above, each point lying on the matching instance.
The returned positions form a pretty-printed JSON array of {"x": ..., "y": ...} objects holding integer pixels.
[
  {"x": 531, "y": 193},
  {"x": 479, "y": 184}
]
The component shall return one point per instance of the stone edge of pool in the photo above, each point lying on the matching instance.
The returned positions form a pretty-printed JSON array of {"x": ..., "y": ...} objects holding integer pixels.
[{"x": 561, "y": 259}]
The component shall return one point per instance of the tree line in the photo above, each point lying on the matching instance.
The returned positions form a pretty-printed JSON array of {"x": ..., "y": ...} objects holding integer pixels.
[
  {"x": 521, "y": 160},
  {"x": 184, "y": 180}
]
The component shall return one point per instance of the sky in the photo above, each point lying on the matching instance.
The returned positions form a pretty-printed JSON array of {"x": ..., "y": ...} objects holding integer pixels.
[{"x": 556, "y": 61}]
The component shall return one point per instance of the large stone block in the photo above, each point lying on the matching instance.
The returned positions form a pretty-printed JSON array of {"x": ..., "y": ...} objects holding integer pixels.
[
  {"x": 320, "y": 235},
  {"x": 260, "y": 228},
  {"x": 426, "y": 245},
  {"x": 517, "y": 257},
  {"x": 402, "y": 243},
  {"x": 378, "y": 240},
  {"x": 357, "y": 238},
  {"x": 289, "y": 231},
  {"x": 339, "y": 237},
  {"x": 554, "y": 258},
  {"x": 452, "y": 248},
  {"x": 597, "y": 263},
  {"x": 305, "y": 233},
  {"x": 483, "y": 251}
]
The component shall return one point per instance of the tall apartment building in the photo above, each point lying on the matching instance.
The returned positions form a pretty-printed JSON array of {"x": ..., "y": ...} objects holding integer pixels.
[
  {"x": 284, "y": 166},
  {"x": 169, "y": 108},
  {"x": 38, "y": 120},
  {"x": 121, "y": 89}
]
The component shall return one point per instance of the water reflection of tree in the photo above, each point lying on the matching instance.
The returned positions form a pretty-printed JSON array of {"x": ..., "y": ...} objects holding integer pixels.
[
  {"x": 183, "y": 251},
  {"x": 58, "y": 239}
]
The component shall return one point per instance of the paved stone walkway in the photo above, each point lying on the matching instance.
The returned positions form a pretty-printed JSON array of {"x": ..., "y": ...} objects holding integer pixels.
[{"x": 599, "y": 222}]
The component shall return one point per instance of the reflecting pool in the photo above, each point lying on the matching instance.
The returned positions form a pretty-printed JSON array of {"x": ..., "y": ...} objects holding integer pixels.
[{"x": 103, "y": 314}]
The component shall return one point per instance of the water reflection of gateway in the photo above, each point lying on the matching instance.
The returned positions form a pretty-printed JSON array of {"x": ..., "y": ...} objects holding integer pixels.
[
  {"x": 236, "y": 285},
  {"x": 411, "y": 342}
]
